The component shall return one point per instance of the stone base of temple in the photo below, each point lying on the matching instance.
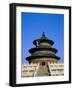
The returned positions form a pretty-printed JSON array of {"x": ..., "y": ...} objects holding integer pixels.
[{"x": 35, "y": 70}]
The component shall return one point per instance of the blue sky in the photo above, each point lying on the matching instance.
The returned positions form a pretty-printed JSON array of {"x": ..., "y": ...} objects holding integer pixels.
[{"x": 33, "y": 24}]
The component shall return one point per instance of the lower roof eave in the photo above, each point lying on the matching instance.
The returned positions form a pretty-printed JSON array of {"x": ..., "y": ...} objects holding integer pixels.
[{"x": 34, "y": 57}]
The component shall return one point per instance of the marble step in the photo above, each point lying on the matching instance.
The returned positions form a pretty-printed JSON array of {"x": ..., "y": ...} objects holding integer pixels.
[{"x": 43, "y": 71}]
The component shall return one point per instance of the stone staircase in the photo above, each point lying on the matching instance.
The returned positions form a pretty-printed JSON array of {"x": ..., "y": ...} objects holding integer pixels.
[{"x": 43, "y": 71}]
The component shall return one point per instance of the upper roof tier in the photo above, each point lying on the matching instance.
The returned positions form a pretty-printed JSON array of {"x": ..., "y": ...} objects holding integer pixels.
[{"x": 43, "y": 39}]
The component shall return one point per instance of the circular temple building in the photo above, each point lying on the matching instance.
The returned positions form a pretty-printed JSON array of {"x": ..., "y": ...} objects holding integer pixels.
[{"x": 43, "y": 53}]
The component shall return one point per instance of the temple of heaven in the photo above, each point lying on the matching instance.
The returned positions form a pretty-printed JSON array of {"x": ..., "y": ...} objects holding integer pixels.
[{"x": 43, "y": 53}]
